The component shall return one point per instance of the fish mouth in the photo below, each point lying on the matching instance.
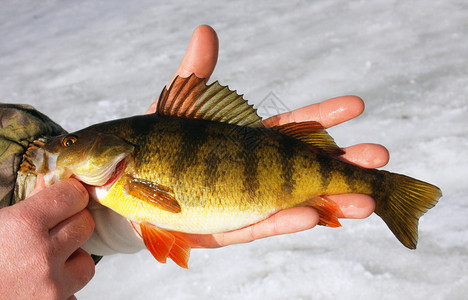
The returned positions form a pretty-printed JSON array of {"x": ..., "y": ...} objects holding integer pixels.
[
  {"x": 118, "y": 171},
  {"x": 98, "y": 192}
]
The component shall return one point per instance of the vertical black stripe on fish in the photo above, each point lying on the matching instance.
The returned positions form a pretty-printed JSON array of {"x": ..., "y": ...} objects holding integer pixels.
[
  {"x": 212, "y": 160},
  {"x": 193, "y": 137},
  {"x": 379, "y": 189},
  {"x": 286, "y": 151},
  {"x": 324, "y": 170},
  {"x": 141, "y": 130},
  {"x": 351, "y": 176},
  {"x": 211, "y": 170},
  {"x": 128, "y": 128},
  {"x": 143, "y": 125},
  {"x": 249, "y": 140}
]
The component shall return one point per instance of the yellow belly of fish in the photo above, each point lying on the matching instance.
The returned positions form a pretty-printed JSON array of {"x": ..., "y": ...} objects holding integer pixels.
[{"x": 200, "y": 217}]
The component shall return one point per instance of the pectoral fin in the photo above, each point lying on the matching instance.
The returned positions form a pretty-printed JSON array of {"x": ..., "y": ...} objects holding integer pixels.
[
  {"x": 152, "y": 192},
  {"x": 163, "y": 244}
]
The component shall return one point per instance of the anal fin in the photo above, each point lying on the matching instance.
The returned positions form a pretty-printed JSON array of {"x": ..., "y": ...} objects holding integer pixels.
[
  {"x": 327, "y": 209},
  {"x": 163, "y": 244}
]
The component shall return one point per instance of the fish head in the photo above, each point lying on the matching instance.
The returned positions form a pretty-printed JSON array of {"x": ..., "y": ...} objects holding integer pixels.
[{"x": 89, "y": 156}]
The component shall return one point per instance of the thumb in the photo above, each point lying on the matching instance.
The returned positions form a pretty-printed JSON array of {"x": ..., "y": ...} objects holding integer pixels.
[
  {"x": 200, "y": 58},
  {"x": 52, "y": 205},
  {"x": 201, "y": 55}
]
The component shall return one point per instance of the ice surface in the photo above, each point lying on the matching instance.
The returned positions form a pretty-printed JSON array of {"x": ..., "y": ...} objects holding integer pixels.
[{"x": 82, "y": 62}]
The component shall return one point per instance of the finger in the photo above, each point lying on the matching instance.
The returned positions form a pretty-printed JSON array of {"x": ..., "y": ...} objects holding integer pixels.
[
  {"x": 284, "y": 222},
  {"x": 47, "y": 208},
  {"x": 78, "y": 271},
  {"x": 72, "y": 233},
  {"x": 200, "y": 58},
  {"x": 201, "y": 55},
  {"x": 354, "y": 206},
  {"x": 367, "y": 155},
  {"x": 328, "y": 113}
]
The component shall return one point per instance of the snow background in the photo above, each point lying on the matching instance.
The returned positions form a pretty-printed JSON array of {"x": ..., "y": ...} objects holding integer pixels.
[{"x": 83, "y": 62}]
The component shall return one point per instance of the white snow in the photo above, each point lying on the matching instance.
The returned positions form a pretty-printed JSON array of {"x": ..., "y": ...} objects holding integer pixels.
[{"x": 82, "y": 62}]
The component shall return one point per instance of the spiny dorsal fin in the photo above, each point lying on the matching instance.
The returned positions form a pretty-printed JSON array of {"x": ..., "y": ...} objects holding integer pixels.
[
  {"x": 313, "y": 134},
  {"x": 191, "y": 98}
]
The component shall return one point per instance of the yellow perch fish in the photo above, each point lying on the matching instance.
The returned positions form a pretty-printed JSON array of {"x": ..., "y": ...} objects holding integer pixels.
[{"x": 204, "y": 163}]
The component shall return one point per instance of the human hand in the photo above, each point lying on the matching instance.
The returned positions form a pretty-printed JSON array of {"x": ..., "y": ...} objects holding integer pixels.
[
  {"x": 200, "y": 58},
  {"x": 40, "y": 243}
]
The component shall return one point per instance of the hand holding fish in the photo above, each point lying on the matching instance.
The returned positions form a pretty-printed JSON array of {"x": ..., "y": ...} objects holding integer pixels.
[
  {"x": 40, "y": 244},
  {"x": 354, "y": 206},
  {"x": 200, "y": 59}
]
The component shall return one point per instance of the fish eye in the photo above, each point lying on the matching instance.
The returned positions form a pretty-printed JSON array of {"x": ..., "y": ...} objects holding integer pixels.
[{"x": 69, "y": 140}]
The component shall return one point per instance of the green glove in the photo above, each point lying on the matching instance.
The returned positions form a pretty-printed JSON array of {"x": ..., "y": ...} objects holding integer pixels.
[{"x": 20, "y": 126}]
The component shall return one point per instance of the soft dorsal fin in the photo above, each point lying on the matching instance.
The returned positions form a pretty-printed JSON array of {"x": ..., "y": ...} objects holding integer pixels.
[
  {"x": 191, "y": 98},
  {"x": 313, "y": 134}
]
